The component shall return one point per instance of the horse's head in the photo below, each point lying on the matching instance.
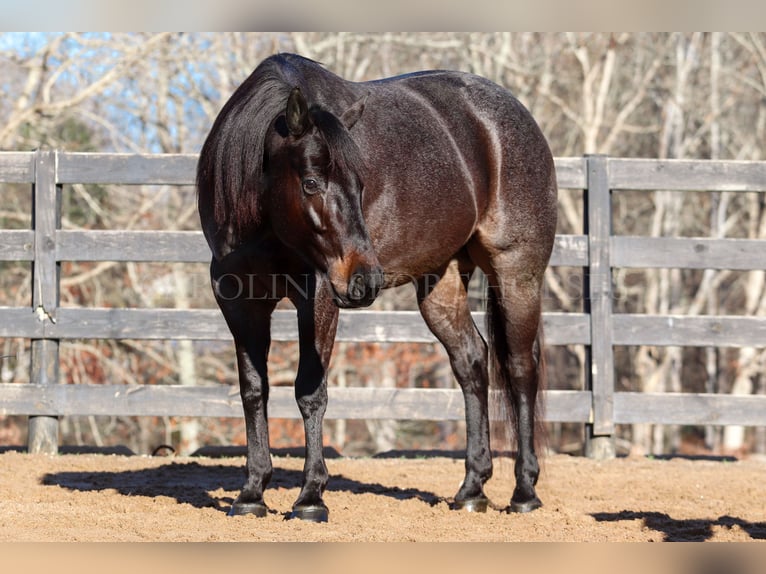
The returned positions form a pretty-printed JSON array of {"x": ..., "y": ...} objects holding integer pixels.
[{"x": 315, "y": 173}]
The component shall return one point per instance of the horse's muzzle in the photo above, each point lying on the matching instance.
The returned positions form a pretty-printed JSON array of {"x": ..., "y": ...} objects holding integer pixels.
[{"x": 362, "y": 288}]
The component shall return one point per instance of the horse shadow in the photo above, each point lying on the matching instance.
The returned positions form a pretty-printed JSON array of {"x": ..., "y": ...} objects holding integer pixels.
[
  {"x": 684, "y": 530},
  {"x": 196, "y": 484}
]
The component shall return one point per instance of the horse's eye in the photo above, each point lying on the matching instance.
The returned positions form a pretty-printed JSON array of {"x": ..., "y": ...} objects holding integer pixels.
[{"x": 310, "y": 186}]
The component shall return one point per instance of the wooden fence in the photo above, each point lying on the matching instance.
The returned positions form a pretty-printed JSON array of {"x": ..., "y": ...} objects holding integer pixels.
[{"x": 598, "y": 328}]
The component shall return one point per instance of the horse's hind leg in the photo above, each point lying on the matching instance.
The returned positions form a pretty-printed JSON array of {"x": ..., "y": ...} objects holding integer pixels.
[
  {"x": 515, "y": 306},
  {"x": 443, "y": 303}
]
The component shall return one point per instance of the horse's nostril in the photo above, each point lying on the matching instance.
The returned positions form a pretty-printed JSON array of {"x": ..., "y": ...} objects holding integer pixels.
[{"x": 356, "y": 287}]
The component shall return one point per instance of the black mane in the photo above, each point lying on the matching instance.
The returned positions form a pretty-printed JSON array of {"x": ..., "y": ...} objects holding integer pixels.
[{"x": 345, "y": 155}]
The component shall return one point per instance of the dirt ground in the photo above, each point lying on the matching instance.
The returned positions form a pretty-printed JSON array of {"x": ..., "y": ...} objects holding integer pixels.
[{"x": 108, "y": 497}]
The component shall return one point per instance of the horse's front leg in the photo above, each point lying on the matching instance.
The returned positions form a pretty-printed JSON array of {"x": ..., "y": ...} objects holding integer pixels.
[
  {"x": 317, "y": 323},
  {"x": 249, "y": 320}
]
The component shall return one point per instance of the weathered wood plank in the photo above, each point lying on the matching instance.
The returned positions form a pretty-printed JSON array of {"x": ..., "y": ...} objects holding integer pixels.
[
  {"x": 46, "y": 219},
  {"x": 146, "y": 324},
  {"x": 127, "y": 169},
  {"x": 17, "y": 167},
  {"x": 688, "y": 253},
  {"x": 571, "y": 172},
  {"x": 567, "y": 328},
  {"x": 208, "y": 324},
  {"x": 176, "y": 246},
  {"x": 180, "y": 169},
  {"x": 368, "y": 403},
  {"x": 191, "y": 247},
  {"x": 691, "y": 331},
  {"x": 690, "y": 409},
  {"x": 17, "y": 245},
  {"x": 377, "y": 327},
  {"x": 599, "y": 281},
  {"x": 44, "y": 371},
  {"x": 686, "y": 175},
  {"x": 119, "y": 400},
  {"x": 409, "y": 327},
  {"x": 224, "y": 401},
  {"x": 570, "y": 251},
  {"x": 20, "y": 322},
  {"x": 43, "y": 434}
]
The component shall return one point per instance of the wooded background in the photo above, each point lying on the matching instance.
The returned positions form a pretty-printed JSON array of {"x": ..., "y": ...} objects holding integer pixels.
[{"x": 669, "y": 95}]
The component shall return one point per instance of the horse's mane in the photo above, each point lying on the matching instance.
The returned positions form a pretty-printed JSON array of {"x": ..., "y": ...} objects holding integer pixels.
[
  {"x": 345, "y": 156},
  {"x": 230, "y": 167},
  {"x": 231, "y": 161}
]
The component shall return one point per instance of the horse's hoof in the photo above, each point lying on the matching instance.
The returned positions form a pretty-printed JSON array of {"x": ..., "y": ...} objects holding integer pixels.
[
  {"x": 313, "y": 513},
  {"x": 471, "y": 504},
  {"x": 526, "y": 506},
  {"x": 258, "y": 509}
]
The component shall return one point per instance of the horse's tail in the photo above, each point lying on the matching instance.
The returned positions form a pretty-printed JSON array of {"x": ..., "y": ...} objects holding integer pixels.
[{"x": 502, "y": 406}]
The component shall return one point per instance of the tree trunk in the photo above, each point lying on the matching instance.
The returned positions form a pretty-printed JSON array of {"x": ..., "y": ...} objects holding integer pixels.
[{"x": 187, "y": 371}]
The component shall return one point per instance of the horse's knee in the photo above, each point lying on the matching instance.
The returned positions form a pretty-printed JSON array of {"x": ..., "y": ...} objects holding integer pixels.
[
  {"x": 312, "y": 404},
  {"x": 254, "y": 394}
]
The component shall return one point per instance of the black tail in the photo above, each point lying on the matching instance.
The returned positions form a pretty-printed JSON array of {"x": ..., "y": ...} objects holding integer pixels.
[{"x": 502, "y": 407}]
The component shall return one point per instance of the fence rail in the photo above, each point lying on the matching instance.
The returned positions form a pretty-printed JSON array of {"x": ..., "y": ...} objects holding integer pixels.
[{"x": 597, "y": 328}]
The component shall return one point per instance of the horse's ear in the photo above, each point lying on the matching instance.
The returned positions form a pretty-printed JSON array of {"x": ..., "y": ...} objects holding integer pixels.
[
  {"x": 297, "y": 113},
  {"x": 352, "y": 114}
]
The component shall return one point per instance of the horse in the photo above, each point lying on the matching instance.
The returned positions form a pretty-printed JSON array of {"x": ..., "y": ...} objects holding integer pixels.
[{"x": 326, "y": 191}]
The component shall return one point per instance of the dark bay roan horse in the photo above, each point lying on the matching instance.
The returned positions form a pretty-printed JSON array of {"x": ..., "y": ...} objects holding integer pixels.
[{"x": 326, "y": 191}]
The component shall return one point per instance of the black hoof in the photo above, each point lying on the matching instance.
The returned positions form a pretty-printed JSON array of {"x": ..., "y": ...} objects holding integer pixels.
[
  {"x": 471, "y": 504},
  {"x": 526, "y": 506},
  {"x": 258, "y": 509},
  {"x": 310, "y": 513}
]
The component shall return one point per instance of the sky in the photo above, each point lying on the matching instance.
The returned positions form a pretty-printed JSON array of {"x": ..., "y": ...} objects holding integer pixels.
[
  {"x": 124, "y": 102},
  {"x": 22, "y": 42}
]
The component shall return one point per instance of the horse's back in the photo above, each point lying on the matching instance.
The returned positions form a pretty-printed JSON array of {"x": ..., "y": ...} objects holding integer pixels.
[{"x": 458, "y": 156}]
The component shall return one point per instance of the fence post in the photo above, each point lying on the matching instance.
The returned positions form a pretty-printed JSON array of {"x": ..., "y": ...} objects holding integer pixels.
[
  {"x": 46, "y": 218},
  {"x": 599, "y": 439}
]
